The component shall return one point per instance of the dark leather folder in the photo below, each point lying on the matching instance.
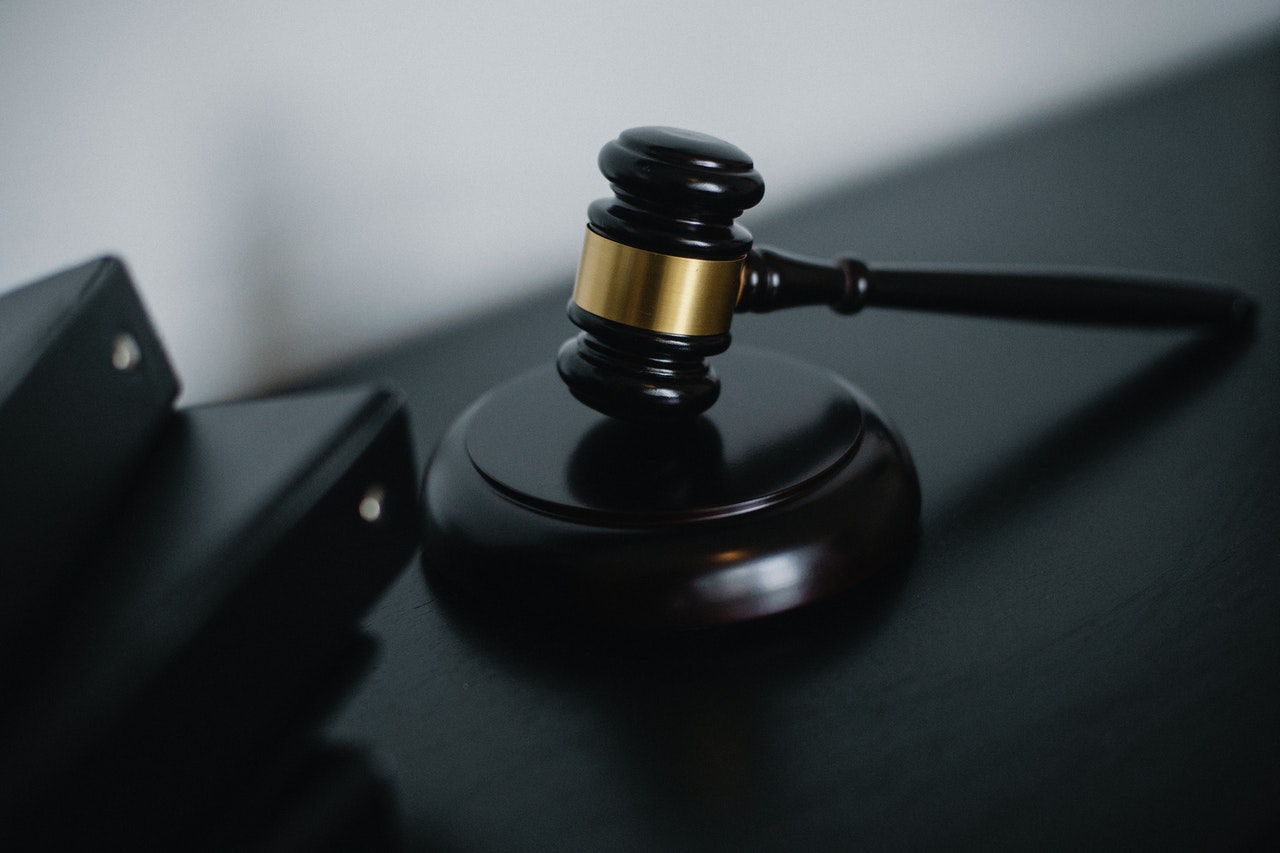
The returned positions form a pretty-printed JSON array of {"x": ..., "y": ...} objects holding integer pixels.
[
  {"x": 84, "y": 387},
  {"x": 217, "y": 615}
]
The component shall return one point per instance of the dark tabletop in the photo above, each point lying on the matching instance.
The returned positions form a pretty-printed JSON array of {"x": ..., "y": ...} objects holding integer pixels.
[{"x": 1084, "y": 648}]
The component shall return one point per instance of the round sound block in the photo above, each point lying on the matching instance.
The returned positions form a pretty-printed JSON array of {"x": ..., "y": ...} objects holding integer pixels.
[{"x": 791, "y": 489}]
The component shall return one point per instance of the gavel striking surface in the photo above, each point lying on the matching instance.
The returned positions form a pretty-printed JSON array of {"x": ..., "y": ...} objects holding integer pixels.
[{"x": 792, "y": 489}]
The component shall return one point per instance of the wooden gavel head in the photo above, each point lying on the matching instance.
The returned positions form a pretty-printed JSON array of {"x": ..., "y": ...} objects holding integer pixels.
[{"x": 660, "y": 275}]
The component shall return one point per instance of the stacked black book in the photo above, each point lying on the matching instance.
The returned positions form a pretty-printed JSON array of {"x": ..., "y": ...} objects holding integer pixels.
[{"x": 181, "y": 589}]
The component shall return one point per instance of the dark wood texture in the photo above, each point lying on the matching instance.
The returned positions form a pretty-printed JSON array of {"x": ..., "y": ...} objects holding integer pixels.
[
  {"x": 1082, "y": 651},
  {"x": 676, "y": 192},
  {"x": 639, "y": 375}
]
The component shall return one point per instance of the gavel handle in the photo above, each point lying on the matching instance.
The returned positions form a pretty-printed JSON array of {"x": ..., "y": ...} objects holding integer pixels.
[{"x": 773, "y": 280}]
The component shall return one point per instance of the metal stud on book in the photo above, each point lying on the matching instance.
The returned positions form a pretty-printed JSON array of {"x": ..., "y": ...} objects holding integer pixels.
[
  {"x": 224, "y": 601},
  {"x": 180, "y": 589},
  {"x": 85, "y": 388}
]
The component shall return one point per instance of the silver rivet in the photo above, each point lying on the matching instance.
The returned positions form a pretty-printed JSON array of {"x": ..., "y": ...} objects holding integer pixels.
[
  {"x": 371, "y": 503},
  {"x": 126, "y": 355}
]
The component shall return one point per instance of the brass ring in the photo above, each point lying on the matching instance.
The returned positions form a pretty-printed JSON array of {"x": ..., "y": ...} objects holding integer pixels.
[{"x": 661, "y": 293}]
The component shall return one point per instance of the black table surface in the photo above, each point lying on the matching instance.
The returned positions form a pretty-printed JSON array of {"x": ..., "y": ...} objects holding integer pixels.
[{"x": 1084, "y": 648}]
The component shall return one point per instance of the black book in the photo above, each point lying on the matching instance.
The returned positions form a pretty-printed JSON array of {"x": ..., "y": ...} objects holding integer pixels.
[
  {"x": 84, "y": 387},
  {"x": 222, "y": 605}
]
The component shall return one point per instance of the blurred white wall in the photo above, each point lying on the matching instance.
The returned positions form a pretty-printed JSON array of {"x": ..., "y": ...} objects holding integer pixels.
[{"x": 294, "y": 181}]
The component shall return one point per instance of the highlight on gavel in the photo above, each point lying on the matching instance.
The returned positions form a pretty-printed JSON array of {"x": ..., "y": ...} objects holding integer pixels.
[{"x": 665, "y": 266}]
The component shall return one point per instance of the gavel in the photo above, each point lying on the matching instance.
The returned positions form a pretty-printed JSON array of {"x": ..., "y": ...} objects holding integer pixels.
[
  {"x": 651, "y": 508},
  {"x": 665, "y": 267}
]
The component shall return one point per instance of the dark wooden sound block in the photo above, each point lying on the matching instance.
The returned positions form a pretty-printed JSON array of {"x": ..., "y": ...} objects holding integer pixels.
[{"x": 791, "y": 489}]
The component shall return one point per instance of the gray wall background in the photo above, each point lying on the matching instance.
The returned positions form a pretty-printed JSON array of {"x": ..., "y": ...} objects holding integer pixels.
[{"x": 292, "y": 182}]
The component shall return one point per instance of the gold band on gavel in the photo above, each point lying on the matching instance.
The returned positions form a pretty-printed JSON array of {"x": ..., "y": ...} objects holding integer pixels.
[{"x": 661, "y": 293}]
